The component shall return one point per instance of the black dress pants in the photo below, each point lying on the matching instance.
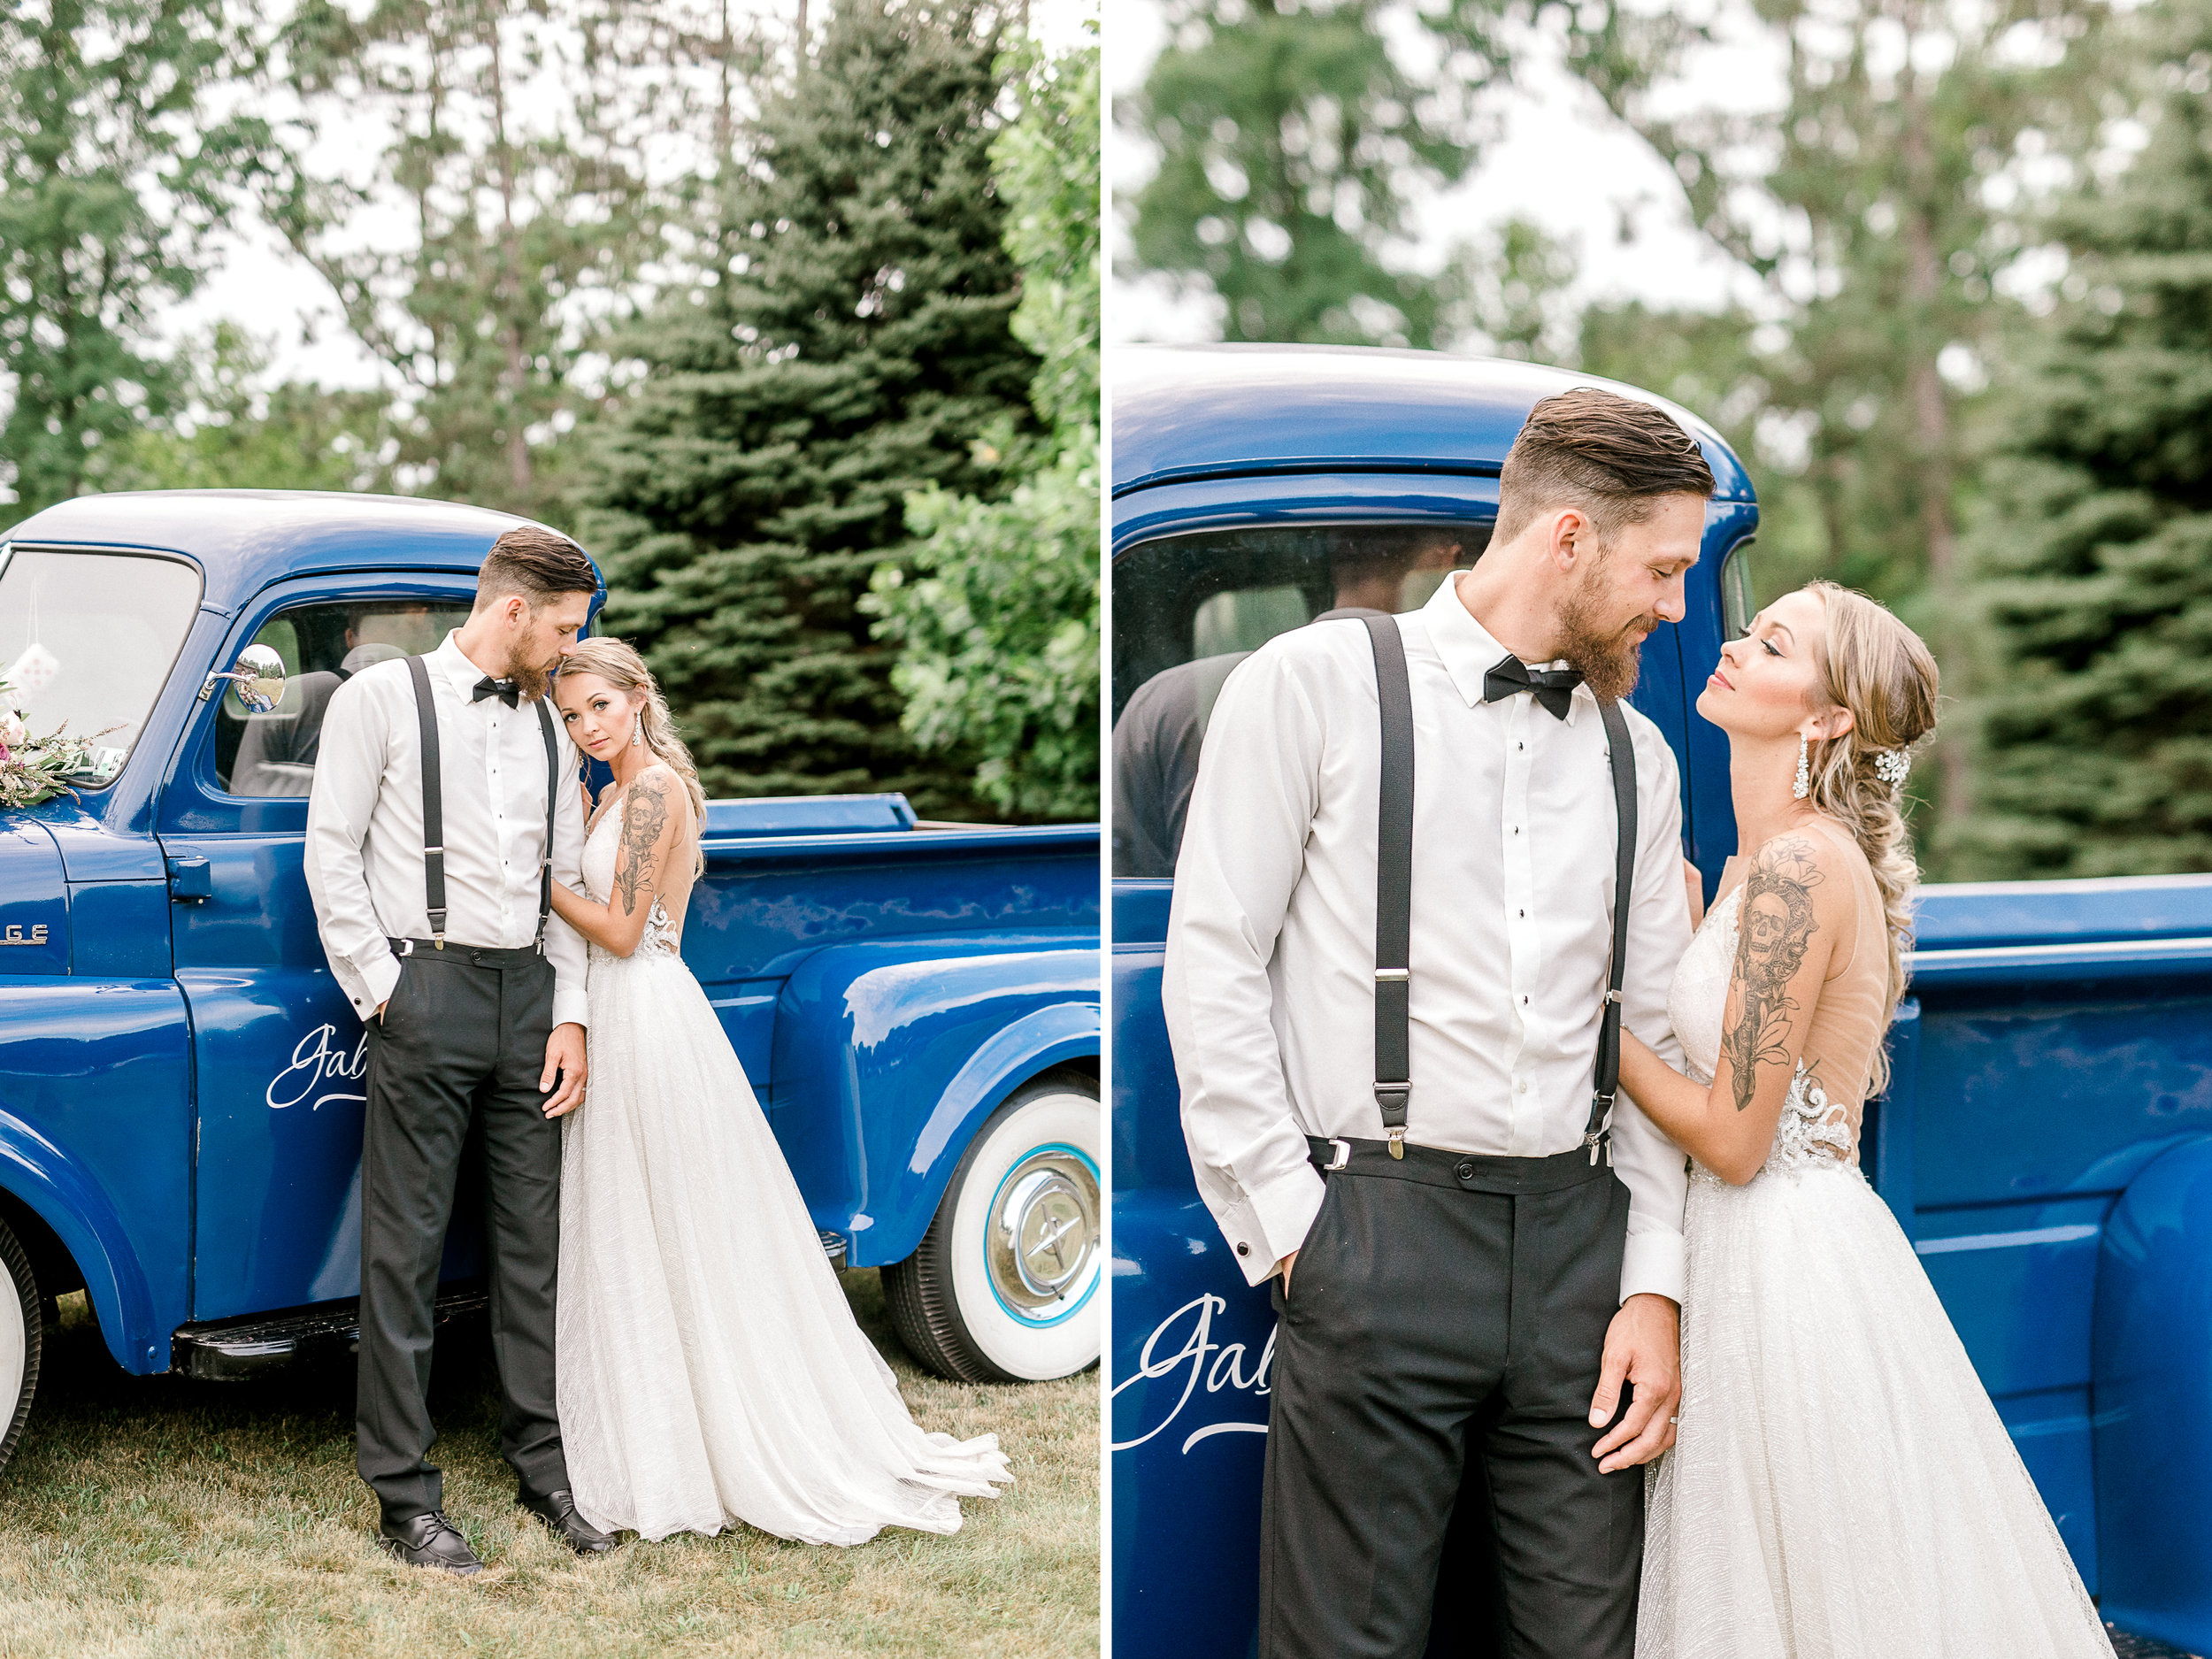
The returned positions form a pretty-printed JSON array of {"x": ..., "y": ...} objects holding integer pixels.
[
  {"x": 1434, "y": 1362},
  {"x": 461, "y": 1042}
]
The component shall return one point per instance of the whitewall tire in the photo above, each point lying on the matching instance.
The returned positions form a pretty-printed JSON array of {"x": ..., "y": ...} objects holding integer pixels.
[
  {"x": 1006, "y": 1285},
  {"x": 22, "y": 1327}
]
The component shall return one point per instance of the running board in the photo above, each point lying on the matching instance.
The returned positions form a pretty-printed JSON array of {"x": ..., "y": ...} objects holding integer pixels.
[{"x": 236, "y": 1351}]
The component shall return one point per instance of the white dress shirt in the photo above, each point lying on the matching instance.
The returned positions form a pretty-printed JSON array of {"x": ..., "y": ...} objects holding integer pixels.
[
  {"x": 1270, "y": 982},
  {"x": 364, "y": 840}
]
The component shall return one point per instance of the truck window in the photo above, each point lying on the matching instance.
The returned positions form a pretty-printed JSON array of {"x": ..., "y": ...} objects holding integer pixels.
[
  {"x": 323, "y": 646},
  {"x": 1189, "y": 609},
  {"x": 1737, "y": 603},
  {"x": 87, "y": 639}
]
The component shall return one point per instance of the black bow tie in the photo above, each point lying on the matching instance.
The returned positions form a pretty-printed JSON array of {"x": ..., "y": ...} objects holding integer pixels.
[
  {"x": 1554, "y": 687},
  {"x": 504, "y": 689}
]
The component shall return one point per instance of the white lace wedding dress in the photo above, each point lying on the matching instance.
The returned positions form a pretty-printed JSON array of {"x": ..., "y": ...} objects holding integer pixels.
[
  {"x": 708, "y": 1369},
  {"x": 1841, "y": 1484}
]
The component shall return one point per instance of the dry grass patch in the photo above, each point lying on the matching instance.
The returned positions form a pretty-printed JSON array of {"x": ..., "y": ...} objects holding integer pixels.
[{"x": 157, "y": 1517}]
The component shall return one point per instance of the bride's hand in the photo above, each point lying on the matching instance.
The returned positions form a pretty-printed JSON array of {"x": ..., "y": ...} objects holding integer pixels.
[{"x": 1695, "y": 883}]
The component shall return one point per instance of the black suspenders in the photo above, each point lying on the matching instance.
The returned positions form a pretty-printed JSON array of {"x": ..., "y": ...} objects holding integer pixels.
[
  {"x": 432, "y": 802},
  {"x": 1393, "y": 898},
  {"x": 434, "y": 807},
  {"x": 1394, "y": 885},
  {"x": 552, "y": 782}
]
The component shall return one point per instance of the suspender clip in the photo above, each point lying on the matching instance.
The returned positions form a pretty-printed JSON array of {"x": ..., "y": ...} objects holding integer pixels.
[
  {"x": 1612, "y": 997},
  {"x": 1392, "y": 1098}
]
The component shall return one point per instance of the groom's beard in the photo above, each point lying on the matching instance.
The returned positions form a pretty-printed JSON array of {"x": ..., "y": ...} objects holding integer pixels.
[
  {"x": 531, "y": 681},
  {"x": 1609, "y": 658}
]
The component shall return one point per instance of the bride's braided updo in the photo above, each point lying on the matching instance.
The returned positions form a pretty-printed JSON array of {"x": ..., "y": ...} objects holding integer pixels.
[
  {"x": 617, "y": 662},
  {"x": 1869, "y": 661}
]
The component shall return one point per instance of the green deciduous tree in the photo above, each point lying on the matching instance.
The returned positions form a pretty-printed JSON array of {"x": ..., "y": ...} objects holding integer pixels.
[
  {"x": 1293, "y": 137},
  {"x": 1881, "y": 204},
  {"x": 1289, "y": 139},
  {"x": 850, "y": 339},
  {"x": 228, "y": 429},
  {"x": 527, "y": 230},
  {"x": 2094, "y": 566},
  {"x": 117, "y": 173},
  {"x": 999, "y": 623}
]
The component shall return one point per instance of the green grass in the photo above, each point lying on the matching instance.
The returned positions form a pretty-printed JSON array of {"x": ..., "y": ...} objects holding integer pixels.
[{"x": 156, "y": 1516}]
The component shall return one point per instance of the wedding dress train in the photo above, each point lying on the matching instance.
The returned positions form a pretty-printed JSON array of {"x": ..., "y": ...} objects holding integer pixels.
[
  {"x": 1842, "y": 1486},
  {"x": 709, "y": 1367}
]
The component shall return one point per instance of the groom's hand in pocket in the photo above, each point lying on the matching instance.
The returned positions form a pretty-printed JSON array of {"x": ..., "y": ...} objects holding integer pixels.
[
  {"x": 565, "y": 1066},
  {"x": 1643, "y": 1345}
]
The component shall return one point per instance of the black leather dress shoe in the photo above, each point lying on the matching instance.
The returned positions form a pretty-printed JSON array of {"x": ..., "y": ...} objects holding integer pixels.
[
  {"x": 429, "y": 1540},
  {"x": 557, "y": 1510}
]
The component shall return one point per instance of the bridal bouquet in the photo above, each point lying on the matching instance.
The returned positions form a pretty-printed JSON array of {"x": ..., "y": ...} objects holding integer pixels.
[{"x": 35, "y": 769}]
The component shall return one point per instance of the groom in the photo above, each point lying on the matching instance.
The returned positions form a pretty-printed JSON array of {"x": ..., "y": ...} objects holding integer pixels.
[
  {"x": 1394, "y": 1016},
  {"x": 438, "y": 816}
]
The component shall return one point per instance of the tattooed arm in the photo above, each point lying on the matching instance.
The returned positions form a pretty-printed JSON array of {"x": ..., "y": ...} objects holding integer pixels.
[
  {"x": 654, "y": 814},
  {"x": 1795, "y": 901}
]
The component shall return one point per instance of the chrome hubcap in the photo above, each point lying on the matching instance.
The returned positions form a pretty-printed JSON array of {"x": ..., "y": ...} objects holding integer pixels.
[{"x": 1043, "y": 1234}]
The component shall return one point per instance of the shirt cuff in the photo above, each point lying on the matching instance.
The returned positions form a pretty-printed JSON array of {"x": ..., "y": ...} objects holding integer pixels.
[
  {"x": 1652, "y": 1265},
  {"x": 1267, "y": 1225},
  {"x": 379, "y": 978},
  {"x": 570, "y": 1007}
]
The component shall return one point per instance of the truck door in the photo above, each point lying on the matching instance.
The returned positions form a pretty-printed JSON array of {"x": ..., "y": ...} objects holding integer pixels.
[{"x": 279, "y": 1053}]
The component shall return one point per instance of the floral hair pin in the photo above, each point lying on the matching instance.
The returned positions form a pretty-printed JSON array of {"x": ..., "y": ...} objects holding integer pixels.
[{"x": 1891, "y": 765}]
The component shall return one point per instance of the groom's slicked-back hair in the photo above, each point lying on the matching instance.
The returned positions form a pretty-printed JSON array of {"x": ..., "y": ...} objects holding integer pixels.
[
  {"x": 535, "y": 563},
  {"x": 1611, "y": 456}
]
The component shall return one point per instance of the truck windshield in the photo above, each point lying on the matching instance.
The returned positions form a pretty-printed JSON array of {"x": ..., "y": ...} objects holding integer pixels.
[
  {"x": 87, "y": 642},
  {"x": 1189, "y": 609}
]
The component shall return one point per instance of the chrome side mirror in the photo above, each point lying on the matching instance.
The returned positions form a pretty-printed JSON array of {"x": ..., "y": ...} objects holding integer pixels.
[{"x": 256, "y": 679}]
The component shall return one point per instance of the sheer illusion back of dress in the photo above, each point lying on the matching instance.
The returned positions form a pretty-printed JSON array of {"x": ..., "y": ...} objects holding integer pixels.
[{"x": 1821, "y": 1117}]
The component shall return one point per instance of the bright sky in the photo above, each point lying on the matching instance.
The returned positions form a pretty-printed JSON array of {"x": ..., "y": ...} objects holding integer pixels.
[
  {"x": 1561, "y": 161},
  {"x": 278, "y": 296}
]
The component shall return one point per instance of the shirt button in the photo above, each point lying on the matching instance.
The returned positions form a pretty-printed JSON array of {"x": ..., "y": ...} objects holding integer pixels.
[
  {"x": 1520, "y": 1088},
  {"x": 1516, "y": 829},
  {"x": 1244, "y": 1249},
  {"x": 1520, "y": 746},
  {"x": 1525, "y": 915}
]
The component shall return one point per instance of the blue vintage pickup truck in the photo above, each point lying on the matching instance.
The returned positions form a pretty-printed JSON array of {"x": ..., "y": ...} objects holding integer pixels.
[
  {"x": 181, "y": 1079},
  {"x": 2046, "y": 1143}
]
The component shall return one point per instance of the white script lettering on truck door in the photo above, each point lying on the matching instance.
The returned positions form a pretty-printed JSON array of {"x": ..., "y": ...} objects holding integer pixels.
[
  {"x": 1226, "y": 1372},
  {"x": 314, "y": 1062}
]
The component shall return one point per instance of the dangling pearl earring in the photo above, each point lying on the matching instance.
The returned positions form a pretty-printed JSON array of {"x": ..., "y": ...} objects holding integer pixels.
[
  {"x": 1804, "y": 768},
  {"x": 637, "y": 727}
]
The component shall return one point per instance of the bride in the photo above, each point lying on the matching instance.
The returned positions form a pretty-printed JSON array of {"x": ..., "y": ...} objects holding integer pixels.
[
  {"x": 708, "y": 1367},
  {"x": 1841, "y": 1485}
]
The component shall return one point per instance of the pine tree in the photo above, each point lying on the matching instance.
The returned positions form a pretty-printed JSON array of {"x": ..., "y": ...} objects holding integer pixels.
[
  {"x": 999, "y": 626},
  {"x": 853, "y": 341},
  {"x": 2094, "y": 568}
]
